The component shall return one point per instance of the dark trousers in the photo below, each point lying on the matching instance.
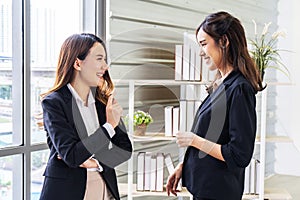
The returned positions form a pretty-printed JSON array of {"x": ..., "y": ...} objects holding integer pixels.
[{"x": 195, "y": 198}]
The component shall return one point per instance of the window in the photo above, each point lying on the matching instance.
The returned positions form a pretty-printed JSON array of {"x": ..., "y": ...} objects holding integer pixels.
[
  {"x": 50, "y": 26},
  {"x": 8, "y": 84},
  {"x": 10, "y": 177},
  {"x": 29, "y": 47}
]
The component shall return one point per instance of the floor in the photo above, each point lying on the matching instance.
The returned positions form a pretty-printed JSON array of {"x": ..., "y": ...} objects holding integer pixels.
[{"x": 290, "y": 183}]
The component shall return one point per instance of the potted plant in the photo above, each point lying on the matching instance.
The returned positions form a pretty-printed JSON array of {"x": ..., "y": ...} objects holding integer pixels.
[
  {"x": 265, "y": 52},
  {"x": 141, "y": 120}
]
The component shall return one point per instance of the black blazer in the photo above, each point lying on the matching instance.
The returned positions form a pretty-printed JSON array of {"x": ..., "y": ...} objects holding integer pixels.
[
  {"x": 67, "y": 137},
  {"x": 227, "y": 117}
]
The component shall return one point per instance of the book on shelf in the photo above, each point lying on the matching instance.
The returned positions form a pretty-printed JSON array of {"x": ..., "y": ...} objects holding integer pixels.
[
  {"x": 150, "y": 171},
  {"x": 252, "y": 176},
  {"x": 176, "y": 122},
  {"x": 247, "y": 180},
  {"x": 190, "y": 110},
  {"x": 182, "y": 115},
  {"x": 178, "y": 62},
  {"x": 189, "y": 66},
  {"x": 186, "y": 57},
  {"x": 153, "y": 172},
  {"x": 172, "y": 120},
  {"x": 198, "y": 67},
  {"x": 171, "y": 168},
  {"x": 257, "y": 175},
  {"x": 252, "y": 173},
  {"x": 147, "y": 170},
  {"x": 160, "y": 172},
  {"x": 190, "y": 92},
  {"x": 192, "y": 62},
  {"x": 140, "y": 171},
  {"x": 168, "y": 120}
]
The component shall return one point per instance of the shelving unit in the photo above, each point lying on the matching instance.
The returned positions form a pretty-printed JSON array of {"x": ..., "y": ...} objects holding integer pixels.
[
  {"x": 131, "y": 191},
  {"x": 271, "y": 194}
]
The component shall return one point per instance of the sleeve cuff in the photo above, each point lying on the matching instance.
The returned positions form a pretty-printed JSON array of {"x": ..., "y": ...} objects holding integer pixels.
[
  {"x": 110, "y": 129},
  {"x": 100, "y": 168},
  {"x": 227, "y": 156}
]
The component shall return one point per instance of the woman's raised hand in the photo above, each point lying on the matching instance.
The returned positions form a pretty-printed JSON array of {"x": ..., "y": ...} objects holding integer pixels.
[{"x": 114, "y": 111}]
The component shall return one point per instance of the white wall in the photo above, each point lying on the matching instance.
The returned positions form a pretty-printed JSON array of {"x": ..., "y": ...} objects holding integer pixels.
[{"x": 287, "y": 155}]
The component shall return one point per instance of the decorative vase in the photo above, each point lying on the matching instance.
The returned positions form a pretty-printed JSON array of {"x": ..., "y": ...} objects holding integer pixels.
[
  {"x": 140, "y": 130},
  {"x": 262, "y": 73}
]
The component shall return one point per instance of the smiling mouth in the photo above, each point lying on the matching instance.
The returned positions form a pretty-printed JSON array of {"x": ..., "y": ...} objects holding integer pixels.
[
  {"x": 206, "y": 59},
  {"x": 99, "y": 74}
]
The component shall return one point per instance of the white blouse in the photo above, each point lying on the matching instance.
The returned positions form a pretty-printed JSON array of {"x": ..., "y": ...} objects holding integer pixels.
[{"x": 90, "y": 117}]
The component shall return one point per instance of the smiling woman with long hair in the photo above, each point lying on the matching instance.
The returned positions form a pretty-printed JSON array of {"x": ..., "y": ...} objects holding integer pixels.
[
  {"x": 85, "y": 133},
  {"x": 221, "y": 142}
]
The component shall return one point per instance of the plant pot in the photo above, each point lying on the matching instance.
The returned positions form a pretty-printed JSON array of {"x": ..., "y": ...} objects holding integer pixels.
[
  {"x": 262, "y": 74},
  {"x": 140, "y": 130}
]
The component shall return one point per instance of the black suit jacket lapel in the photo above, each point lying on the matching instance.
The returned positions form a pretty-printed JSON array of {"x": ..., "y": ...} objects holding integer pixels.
[{"x": 73, "y": 113}]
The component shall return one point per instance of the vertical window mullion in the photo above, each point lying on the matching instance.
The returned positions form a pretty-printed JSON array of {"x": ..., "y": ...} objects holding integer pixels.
[{"x": 26, "y": 100}]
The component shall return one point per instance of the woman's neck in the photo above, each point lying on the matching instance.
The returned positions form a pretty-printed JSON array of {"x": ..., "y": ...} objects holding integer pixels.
[
  {"x": 81, "y": 90},
  {"x": 225, "y": 72}
]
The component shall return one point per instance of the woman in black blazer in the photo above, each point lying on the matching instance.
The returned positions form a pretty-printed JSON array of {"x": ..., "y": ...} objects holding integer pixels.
[
  {"x": 85, "y": 134},
  {"x": 221, "y": 141}
]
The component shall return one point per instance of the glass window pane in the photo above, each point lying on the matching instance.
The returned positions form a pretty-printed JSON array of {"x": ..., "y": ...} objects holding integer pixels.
[
  {"x": 11, "y": 177},
  {"x": 38, "y": 163},
  {"x": 9, "y": 84},
  {"x": 50, "y": 26}
]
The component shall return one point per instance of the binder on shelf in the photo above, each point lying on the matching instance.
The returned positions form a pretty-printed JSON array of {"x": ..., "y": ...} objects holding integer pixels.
[
  {"x": 257, "y": 174},
  {"x": 160, "y": 172},
  {"x": 168, "y": 120},
  {"x": 247, "y": 180},
  {"x": 190, "y": 110},
  {"x": 153, "y": 173},
  {"x": 251, "y": 183},
  {"x": 192, "y": 62},
  {"x": 182, "y": 115},
  {"x": 175, "y": 121},
  {"x": 171, "y": 168},
  {"x": 169, "y": 164},
  {"x": 182, "y": 92},
  {"x": 190, "y": 91},
  {"x": 140, "y": 171},
  {"x": 252, "y": 176},
  {"x": 178, "y": 62},
  {"x": 186, "y": 58},
  {"x": 147, "y": 170},
  {"x": 198, "y": 67}
]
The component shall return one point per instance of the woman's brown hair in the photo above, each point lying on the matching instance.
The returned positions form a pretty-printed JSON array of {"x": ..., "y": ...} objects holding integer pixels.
[
  {"x": 222, "y": 26},
  {"x": 78, "y": 46}
]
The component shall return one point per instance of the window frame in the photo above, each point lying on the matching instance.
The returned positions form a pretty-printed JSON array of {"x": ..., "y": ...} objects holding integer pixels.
[{"x": 22, "y": 89}]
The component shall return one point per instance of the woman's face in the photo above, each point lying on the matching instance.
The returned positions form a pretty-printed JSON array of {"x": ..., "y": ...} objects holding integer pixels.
[
  {"x": 93, "y": 67},
  {"x": 210, "y": 51}
]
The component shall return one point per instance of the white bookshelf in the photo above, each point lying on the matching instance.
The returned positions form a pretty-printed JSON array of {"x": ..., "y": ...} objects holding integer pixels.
[
  {"x": 150, "y": 136},
  {"x": 129, "y": 189},
  {"x": 123, "y": 190},
  {"x": 262, "y": 139}
]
